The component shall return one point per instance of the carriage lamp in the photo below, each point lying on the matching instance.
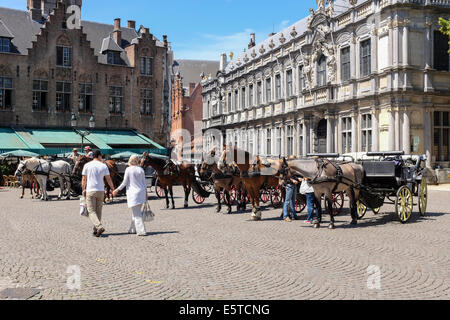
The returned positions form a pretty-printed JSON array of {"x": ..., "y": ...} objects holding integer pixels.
[
  {"x": 92, "y": 122},
  {"x": 73, "y": 121}
]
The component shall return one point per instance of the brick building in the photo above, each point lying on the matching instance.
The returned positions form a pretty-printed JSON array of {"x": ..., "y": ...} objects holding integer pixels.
[
  {"x": 187, "y": 102},
  {"x": 99, "y": 75}
]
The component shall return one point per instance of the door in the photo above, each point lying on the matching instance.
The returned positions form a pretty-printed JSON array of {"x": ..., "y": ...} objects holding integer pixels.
[{"x": 321, "y": 136}]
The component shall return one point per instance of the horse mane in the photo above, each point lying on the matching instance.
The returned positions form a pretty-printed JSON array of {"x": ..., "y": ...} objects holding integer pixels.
[{"x": 33, "y": 161}]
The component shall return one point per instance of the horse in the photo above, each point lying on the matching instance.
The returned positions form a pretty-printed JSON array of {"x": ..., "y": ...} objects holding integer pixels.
[
  {"x": 170, "y": 173},
  {"x": 29, "y": 181},
  {"x": 328, "y": 177},
  {"x": 113, "y": 172},
  {"x": 44, "y": 170},
  {"x": 222, "y": 181},
  {"x": 250, "y": 174}
]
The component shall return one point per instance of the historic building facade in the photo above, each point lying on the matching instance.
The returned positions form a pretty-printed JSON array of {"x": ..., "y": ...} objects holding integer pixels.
[
  {"x": 353, "y": 76},
  {"x": 99, "y": 75}
]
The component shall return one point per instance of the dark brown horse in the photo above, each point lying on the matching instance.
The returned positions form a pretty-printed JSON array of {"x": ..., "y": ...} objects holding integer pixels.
[
  {"x": 29, "y": 181},
  {"x": 170, "y": 174},
  {"x": 223, "y": 180},
  {"x": 113, "y": 172}
]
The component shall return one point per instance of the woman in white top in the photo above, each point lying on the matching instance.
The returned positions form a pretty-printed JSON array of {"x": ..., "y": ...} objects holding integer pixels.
[{"x": 134, "y": 181}]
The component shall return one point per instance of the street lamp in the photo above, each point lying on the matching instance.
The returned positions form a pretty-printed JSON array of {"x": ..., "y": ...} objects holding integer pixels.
[
  {"x": 91, "y": 122},
  {"x": 73, "y": 121},
  {"x": 82, "y": 133}
]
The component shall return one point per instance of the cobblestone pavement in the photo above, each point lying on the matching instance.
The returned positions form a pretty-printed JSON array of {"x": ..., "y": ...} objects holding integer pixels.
[{"x": 196, "y": 253}]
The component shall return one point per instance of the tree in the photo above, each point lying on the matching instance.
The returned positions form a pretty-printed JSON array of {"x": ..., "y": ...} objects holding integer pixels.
[{"x": 445, "y": 28}]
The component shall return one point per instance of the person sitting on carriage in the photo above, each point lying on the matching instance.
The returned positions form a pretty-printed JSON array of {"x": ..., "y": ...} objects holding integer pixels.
[
  {"x": 89, "y": 152},
  {"x": 290, "y": 182}
]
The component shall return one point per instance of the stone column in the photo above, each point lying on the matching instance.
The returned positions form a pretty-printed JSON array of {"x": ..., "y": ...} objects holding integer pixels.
[
  {"x": 391, "y": 143},
  {"x": 375, "y": 130},
  {"x": 396, "y": 130},
  {"x": 354, "y": 116},
  {"x": 428, "y": 83},
  {"x": 405, "y": 44},
  {"x": 329, "y": 133},
  {"x": 305, "y": 138},
  {"x": 406, "y": 132},
  {"x": 427, "y": 143},
  {"x": 312, "y": 136},
  {"x": 335, "y": 130}
]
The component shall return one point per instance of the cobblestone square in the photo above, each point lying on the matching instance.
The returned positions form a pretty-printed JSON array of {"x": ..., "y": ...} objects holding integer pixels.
[{"x": 196, "y": 253}]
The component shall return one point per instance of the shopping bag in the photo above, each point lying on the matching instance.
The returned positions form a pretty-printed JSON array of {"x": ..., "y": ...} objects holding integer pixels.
[
  {"x": 147, "y": 213},
  {"x": 83, "y": 207}
]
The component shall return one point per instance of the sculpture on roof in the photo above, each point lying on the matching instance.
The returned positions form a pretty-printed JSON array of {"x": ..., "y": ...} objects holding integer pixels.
[{"x": 320, "y": 4}]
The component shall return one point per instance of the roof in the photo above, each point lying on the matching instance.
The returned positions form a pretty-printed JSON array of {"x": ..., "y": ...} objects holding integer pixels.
[
  {"x": 4, "y": 31},
  {"x": 190, "y": 70},
  {"x": 340, "y": 6},
  {"x": 110, "y": 45},
  {"x": 25, "y": 30}
]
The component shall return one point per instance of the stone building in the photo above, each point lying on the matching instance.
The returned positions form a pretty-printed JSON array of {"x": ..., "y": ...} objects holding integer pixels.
[
  {"x": 353, "y": 76},
  {"x": 187, "y": 103},
  {"x": 53, "y": 72}
]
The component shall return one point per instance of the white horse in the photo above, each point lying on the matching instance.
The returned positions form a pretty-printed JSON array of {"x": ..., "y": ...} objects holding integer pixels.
[{"x": 43, "y": 170}]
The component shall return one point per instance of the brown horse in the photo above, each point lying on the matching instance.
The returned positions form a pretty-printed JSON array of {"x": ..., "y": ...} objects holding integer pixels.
[
  {"x": 223, "y": 180},
  {"x": 113, "y": 172},
  {"x": 169, "y": 174},
  {"x": 29, "y": 181},
  {"x": 328, "y": 177}
]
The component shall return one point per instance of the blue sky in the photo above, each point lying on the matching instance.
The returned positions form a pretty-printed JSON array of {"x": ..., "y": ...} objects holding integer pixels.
[{"x": 198, "y": 29}]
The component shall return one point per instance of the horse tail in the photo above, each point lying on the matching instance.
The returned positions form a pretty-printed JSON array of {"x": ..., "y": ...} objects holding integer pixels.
[{"x": 199, "y": 190}]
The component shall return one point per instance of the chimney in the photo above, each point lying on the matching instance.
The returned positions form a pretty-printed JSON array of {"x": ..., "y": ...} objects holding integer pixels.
[
  {"x": 165, "y": 40},
  {"x": 252, "y": 41},
  {"x": 117, "y": 33},
  {"x": 191, "y": 88},
  {"x": 132, "y": 24},
  {"x": 34, "y": 6},
  {"x": 223, "y": 62}
]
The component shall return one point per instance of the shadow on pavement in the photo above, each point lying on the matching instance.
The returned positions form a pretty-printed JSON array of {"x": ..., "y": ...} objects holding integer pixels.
[{"x": 106, "y": 235}]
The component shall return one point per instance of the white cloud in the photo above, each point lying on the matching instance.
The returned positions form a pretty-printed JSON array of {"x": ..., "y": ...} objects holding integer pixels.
[{"x": 211, "y": 46}]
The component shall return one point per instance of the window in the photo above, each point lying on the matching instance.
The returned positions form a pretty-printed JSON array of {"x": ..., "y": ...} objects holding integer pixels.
[
  {"x": 269, "y": 142},
  {"x": 346, "y": 130},
  {"x": 243, "y": 140},
  {"x": 289, "y": 92},
  {"x": 146, "y": 101},
  {"x": 322, "y": 71},
  {"x": 229, "y": 101},
  {"x": 40, "y": 93},
  {"x": 243, "y": 99},
  {"x": 5, "y": 93},
  {"x": 63, "y": 96},
  {"x": 278, "y": 141},
  {"x": 278, "y": 87},
  {"x": 251, "y": 102},
  {"x": 441, "y": 136},
  {"x": 300, "y": 140},
  {"x": 250, "y": 141},
  {"x": 64, "y": 56},
  {"x": 5, "y": 45},
  {"x": 115, "y": 100},
  {"x": 235, "y": 106},
  {"x": 259, "y": 93},
  {"x": 345, "y": 64},
  {"x": 259, "y": 140},
  {"x": 146, "y": 66},
  {"x": 365, "y": 58},
  {"x": 268, "y": 89},
  {"x": 441, "y": 46},
  {"x": 114, "y": 57},
  {"x": 366, "y": 134},
  {"x": 85, "y": 98},
  {"x": 301, "y": 82},
  {"x": 290, "y": 140}
]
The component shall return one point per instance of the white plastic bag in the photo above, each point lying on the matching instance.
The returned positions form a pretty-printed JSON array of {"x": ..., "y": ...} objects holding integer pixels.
[{"x": 83, "y": 207}]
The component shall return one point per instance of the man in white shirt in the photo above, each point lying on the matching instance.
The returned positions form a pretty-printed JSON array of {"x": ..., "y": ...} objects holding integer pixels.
[{"x": 93, "y": 187}]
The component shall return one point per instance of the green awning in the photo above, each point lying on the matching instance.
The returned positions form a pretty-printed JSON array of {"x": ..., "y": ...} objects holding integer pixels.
[
  {"x": 9, "y": 140},
  {"x": 109, "y": 139},
  {"x": 18, "y": 153},
  {"x": 123, "y": 155}
]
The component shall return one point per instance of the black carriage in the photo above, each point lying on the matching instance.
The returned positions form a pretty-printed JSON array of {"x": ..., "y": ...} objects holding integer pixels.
[{"x": 392, "y": 179}]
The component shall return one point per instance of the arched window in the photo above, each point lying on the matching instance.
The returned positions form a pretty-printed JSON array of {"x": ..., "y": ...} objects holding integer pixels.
[{"x": 322, "y": 71}]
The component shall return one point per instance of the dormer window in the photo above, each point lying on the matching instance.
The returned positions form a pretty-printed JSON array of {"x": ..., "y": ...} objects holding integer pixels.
[
  {"x": 114, "y": 57},
  {"x": 5, "y": 45}
]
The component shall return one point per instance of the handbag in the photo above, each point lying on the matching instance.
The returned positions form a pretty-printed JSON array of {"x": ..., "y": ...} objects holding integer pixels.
[
  {"x": 83, "y": 207},
  {"x": 147, "y": 213}
]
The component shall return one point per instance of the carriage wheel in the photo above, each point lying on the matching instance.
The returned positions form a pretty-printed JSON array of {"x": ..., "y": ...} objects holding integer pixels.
[
  {"x": 197, "y": 198},
  {"x": 361, "y": 209},
  {"x": 338, "y": 203},
  {"x": 265, "y": 196},
  {"x": 423, "y": 196},
  {"x": 404, "y": 204},
  {"x": 159, "y": 190},
  {"x": 275, "y": 197},
  {"x": 300, "y": 204}
]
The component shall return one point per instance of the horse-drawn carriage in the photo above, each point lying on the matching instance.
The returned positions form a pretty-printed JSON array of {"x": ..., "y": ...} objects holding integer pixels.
[{"x": 395, "y": 178}]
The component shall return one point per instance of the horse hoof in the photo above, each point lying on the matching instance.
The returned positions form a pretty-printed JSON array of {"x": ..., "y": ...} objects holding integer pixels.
[
  {"x": 186, "y": 206},
  {"x": 354, "y": 222},
  {"x": 21, "y": 197},
  {"x": 316, "y": 225},
  {"x": 331, "y": 226},
  {"x": 218, "y": 209}
]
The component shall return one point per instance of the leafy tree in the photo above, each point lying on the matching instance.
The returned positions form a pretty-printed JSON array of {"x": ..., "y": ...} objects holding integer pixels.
[{"x": 445, "y": 28}]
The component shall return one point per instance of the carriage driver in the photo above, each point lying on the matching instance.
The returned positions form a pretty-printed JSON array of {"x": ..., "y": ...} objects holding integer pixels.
[{"x": 89, "y": 152}]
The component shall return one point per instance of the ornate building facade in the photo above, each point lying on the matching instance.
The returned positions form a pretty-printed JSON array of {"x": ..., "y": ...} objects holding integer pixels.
[
  {"x": 98, "y": 75},
  {"x": 353, "y": 76}
]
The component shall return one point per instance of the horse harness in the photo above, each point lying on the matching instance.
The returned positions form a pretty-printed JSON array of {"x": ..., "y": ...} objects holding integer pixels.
[{"x": 338, "y": 178}]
